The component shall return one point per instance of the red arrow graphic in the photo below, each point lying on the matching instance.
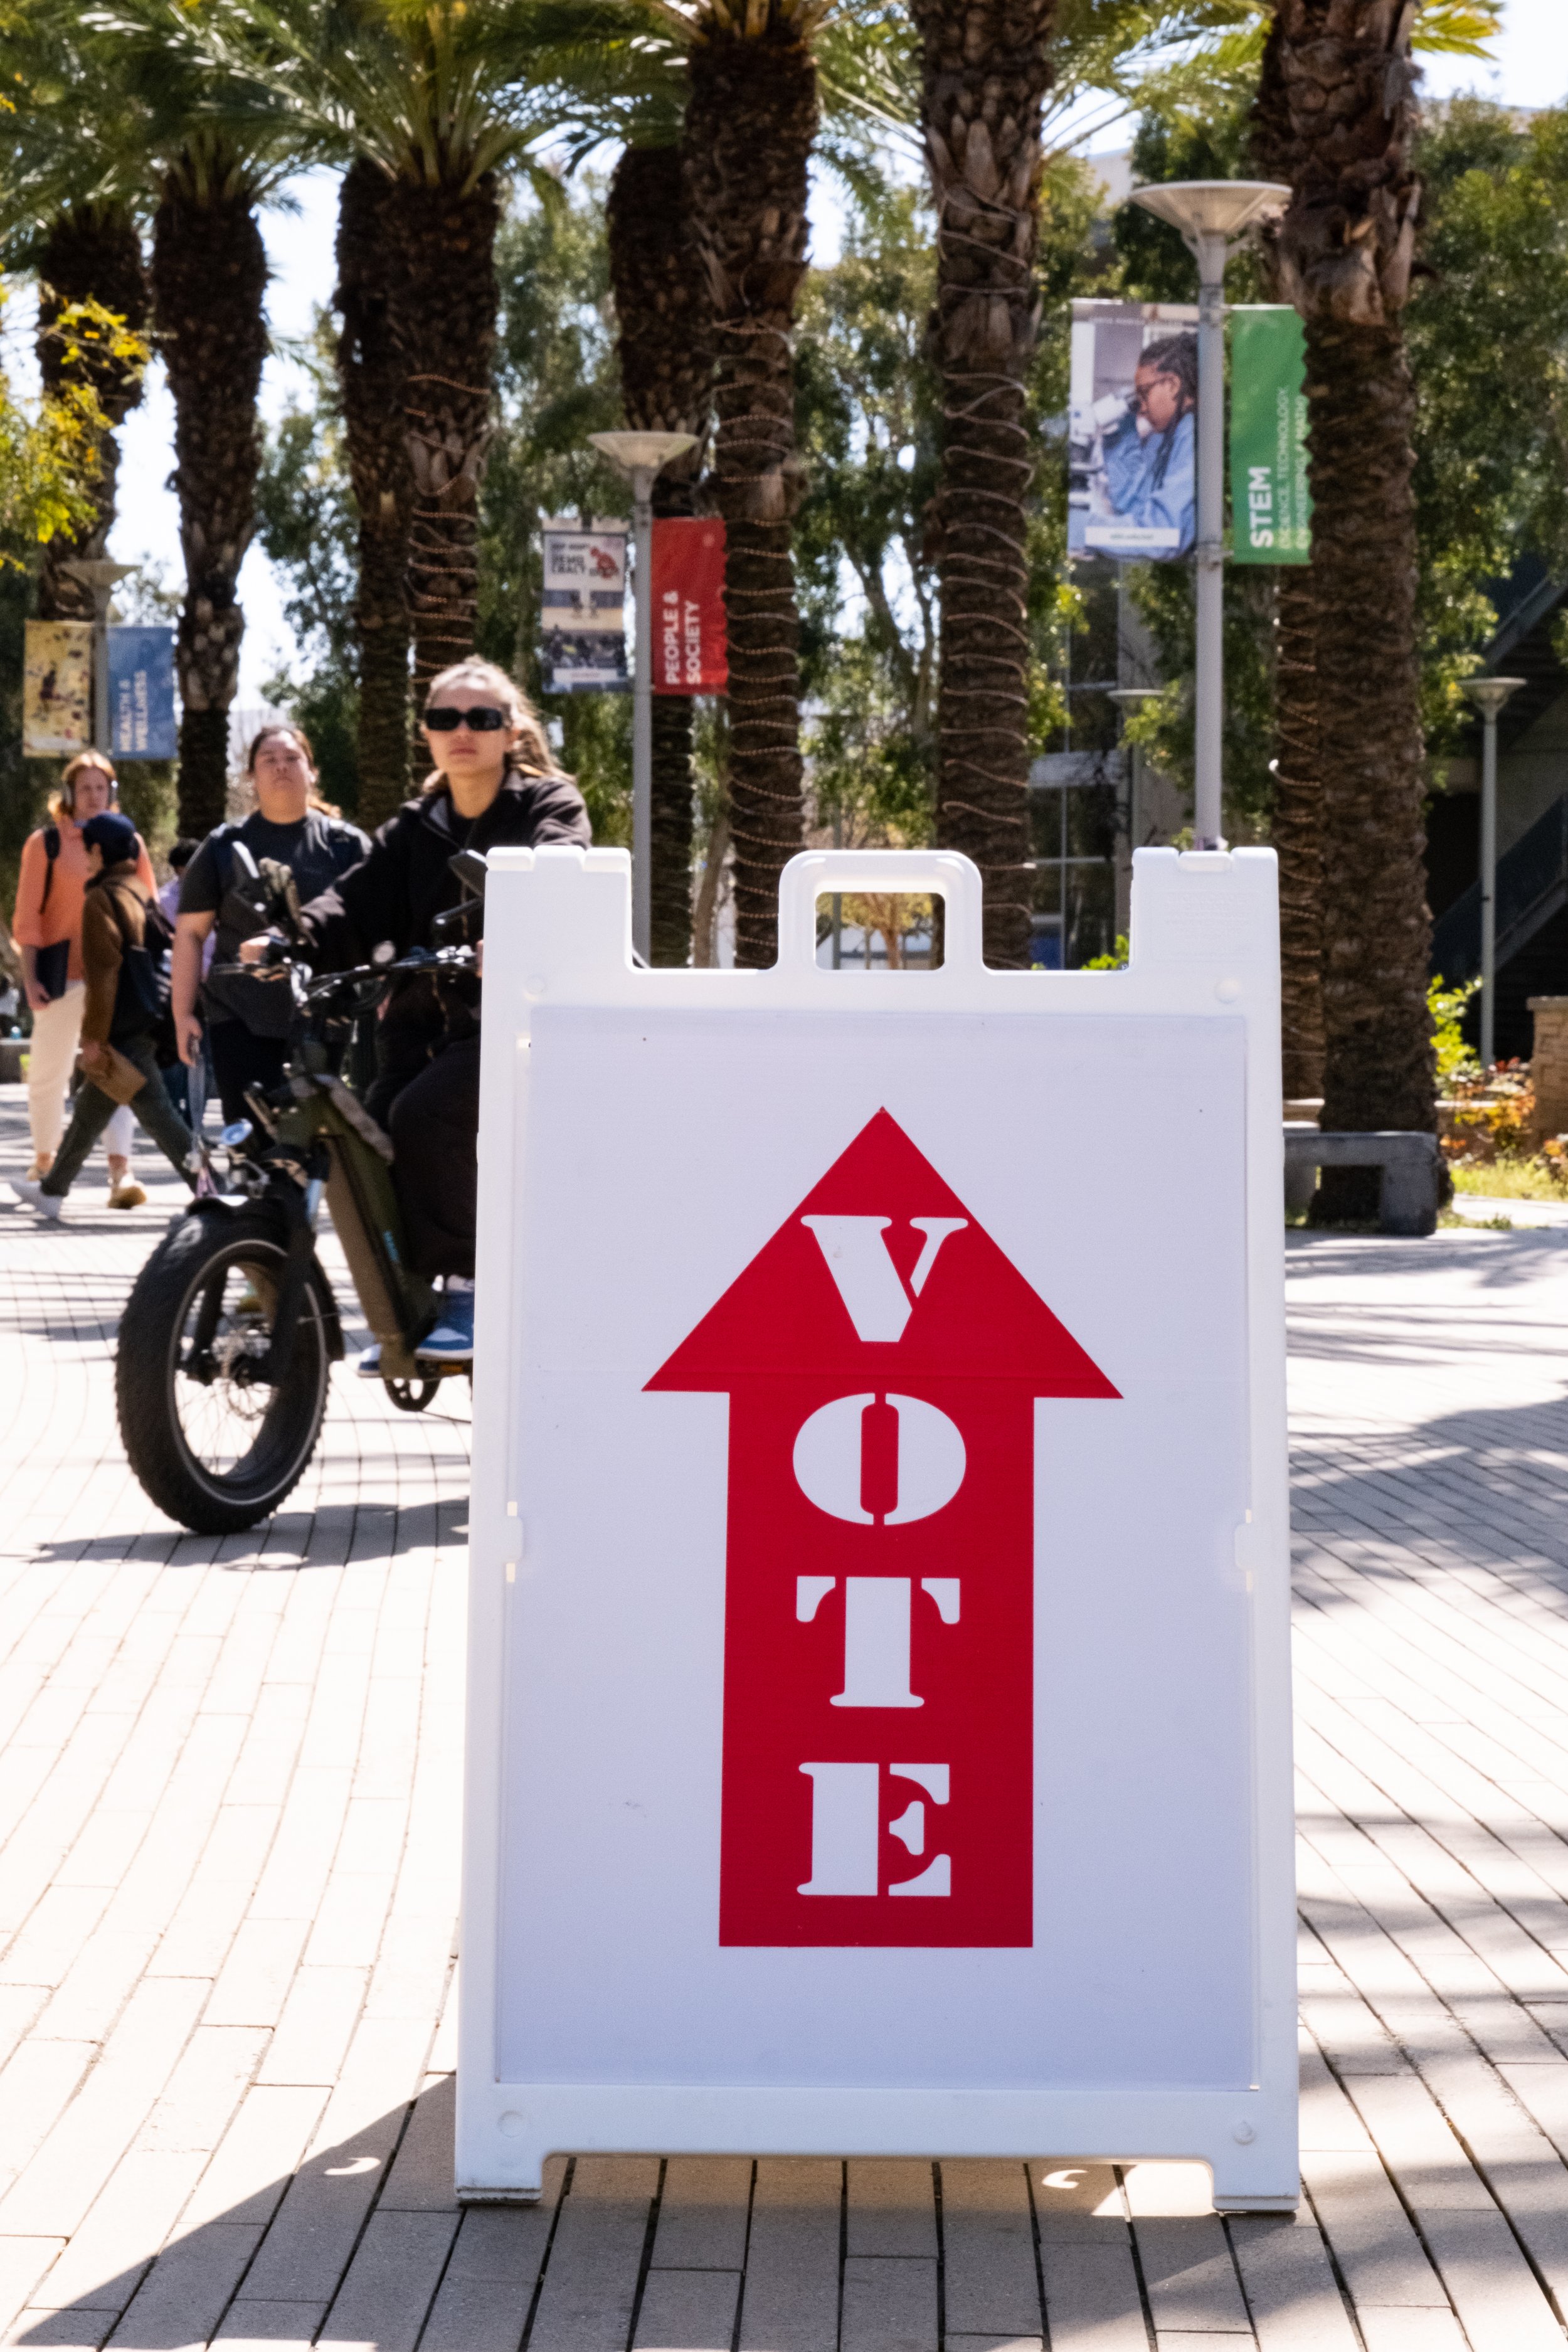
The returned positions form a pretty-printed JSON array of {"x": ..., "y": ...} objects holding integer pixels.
[{"x": 882, "y": 1358}]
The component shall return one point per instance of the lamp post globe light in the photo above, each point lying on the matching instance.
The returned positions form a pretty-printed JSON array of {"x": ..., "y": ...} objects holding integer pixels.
[
  {"x": 1212, "y": 215},
  {"x": 1489, "y": 695},
  {"x": 640, "y": 456}
]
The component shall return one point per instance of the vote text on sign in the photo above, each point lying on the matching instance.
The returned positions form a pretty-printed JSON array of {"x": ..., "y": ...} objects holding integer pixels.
[{"x": 882, "y": 1359}]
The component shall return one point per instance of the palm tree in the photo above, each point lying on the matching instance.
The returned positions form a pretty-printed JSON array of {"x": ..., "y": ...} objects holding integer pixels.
[
  {"x": 658, "y": 78},
  {"x": 207, "y": 178},
  {"x": 73, "y": 195},
  {"x": 667, "y": 375},
  {"x": 1457, "y": 26},
  {"x": 1297, "y": 828},
  {"x": 209, "y": 282},
  {"x": 434, "y": 101},
  {"x": 371, "y": 385},
  {"x": 984, "y": 70},
  {"x": 1297, "y": 832},
  {"x": 89, "y": 263},
  {"x": 1345, "y": 249},
  {"x": 118, "y": 115},
  {"x": 750, "y": 118}
]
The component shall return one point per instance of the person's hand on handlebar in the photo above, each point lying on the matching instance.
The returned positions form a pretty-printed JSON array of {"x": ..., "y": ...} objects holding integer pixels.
[{"x": 262, "y": 949}]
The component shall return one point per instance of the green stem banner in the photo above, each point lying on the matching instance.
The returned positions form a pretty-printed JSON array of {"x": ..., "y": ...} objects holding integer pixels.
[{"x": 1272, "y": 506}]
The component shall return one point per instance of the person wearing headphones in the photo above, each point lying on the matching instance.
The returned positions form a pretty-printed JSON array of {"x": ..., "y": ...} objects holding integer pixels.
[
  {"x": 123, "y": 1009},
  {"x": 47, "y": 926}
]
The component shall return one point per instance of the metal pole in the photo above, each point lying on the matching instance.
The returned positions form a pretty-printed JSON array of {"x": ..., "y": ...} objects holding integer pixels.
[
  {"x": 102, "y": 727},
  {"x": 642, "y": 718},
  {"x": 1488, "y": 886},
  {"x": 1209, "y": 684},
  {"x": 837, "y": 900}
]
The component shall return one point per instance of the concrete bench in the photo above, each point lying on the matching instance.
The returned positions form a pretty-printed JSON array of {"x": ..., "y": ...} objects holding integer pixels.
[{"x": 1412, "y": 1167}]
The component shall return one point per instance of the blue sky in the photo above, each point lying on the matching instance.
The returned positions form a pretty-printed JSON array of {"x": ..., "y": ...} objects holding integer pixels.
[{"x": 1531, "y": 70}]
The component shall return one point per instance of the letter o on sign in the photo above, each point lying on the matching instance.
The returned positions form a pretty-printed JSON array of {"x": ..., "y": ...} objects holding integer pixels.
[{"x": 827, "y": 1459}]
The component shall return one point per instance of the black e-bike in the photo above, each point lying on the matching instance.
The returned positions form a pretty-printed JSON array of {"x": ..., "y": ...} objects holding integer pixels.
[{"x": 225, "y": 1348}]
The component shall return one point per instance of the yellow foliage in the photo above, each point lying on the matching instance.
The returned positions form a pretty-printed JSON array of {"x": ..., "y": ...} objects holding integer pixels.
[
  {"x": 49, "y": 447},
  {"x": 895, "y": 914}
]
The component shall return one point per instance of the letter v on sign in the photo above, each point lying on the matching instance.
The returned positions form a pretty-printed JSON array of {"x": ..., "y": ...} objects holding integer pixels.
[
  {"x": 869, "y": 1281},
  {"x": 880, "y": 1285}
]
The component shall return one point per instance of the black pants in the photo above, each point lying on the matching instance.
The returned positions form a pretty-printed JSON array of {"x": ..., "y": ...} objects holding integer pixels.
[
  {"x": 93, "y": 1110},
  {"x": 434, "y": 1124},
  {"x": 242, "y": 1059}
]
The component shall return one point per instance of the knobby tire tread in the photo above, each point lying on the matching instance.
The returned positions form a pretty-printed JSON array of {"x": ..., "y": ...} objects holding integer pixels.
[{"x": 143, "y": 1377}]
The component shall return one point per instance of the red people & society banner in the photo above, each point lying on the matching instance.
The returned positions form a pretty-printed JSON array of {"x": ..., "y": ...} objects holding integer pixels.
[{"x": 689, "y": 652}]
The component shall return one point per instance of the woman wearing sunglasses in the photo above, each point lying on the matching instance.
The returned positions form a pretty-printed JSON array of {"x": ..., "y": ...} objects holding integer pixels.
[{"x": 494, "y": 785}]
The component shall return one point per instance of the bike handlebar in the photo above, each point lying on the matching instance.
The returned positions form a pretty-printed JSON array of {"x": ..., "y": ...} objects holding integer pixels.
[{"x": 280, "y": 965}]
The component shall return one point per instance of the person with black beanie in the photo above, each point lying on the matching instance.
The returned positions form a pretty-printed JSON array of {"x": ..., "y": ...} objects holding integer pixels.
[{"x": 118, "y": 1026}]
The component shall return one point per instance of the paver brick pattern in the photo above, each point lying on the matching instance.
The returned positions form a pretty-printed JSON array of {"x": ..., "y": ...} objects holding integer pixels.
[{"x": 229, "y": 1786}]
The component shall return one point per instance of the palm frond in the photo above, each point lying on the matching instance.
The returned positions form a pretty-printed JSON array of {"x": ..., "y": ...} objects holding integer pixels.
[{"x": 1456, "y": 28}]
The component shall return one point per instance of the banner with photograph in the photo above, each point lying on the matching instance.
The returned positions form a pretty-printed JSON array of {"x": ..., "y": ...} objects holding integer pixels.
[
  {"x": 1133, "y": 431},
  {"x": 689, "y": 641},
  {"x": 583, "y": 629},
  {"x": 142, "y": 694},
  {"x": 1270, "y": 504},
  {"x": 57, "y": 688}
]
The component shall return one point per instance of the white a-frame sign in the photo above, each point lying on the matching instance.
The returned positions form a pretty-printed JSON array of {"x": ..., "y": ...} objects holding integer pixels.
[{"x": 879, "y": 1696}]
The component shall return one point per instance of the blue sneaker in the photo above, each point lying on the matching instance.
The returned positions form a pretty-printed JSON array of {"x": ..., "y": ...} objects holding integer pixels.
[{"x": 452, "y": 1340}]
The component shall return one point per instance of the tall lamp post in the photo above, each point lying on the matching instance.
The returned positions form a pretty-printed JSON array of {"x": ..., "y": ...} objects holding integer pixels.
[
  {"x": 1489, "y": 695},
  {"x": 101, "y": 577},
  {"x": 1211, "y": 215},
  {"x": 640, "y": 456}
]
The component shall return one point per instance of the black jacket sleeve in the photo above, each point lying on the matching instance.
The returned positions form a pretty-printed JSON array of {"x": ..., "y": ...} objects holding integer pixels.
[
  {"x": 369, "y": 903},
  {"x": 558, "y": 813}
]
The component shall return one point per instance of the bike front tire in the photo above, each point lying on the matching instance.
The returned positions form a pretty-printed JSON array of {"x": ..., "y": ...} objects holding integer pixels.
[{"x": 214, "y": 1448}]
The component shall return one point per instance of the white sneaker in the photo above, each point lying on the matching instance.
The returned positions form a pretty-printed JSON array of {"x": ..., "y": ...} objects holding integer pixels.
[
  {"x": 368, "y": 1364},
  {"x": 46, "y": 1205}
]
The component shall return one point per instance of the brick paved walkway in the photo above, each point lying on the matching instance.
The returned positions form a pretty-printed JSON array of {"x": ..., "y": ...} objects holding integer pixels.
[{"x": 228, "y": 1793}]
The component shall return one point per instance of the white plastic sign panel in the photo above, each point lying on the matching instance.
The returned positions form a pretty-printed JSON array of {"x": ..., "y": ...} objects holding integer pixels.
[{"x": 880, "y": 1705}]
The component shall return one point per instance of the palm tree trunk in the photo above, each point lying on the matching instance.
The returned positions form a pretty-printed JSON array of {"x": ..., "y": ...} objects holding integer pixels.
[
  {"x": 672, "y": 830},
  {"x": 209, "y": 278},
  {"x": 750, "y": 118},
  {"x": 666, "y": 351},
  {"x": 1297, "y": 823},
  {"x": 984, "y": 71},
  {"x": 1297, "y": 832},
  {"x": 444, "y": 300},
  {"x": 1378, "y": 1070},
  {"x": 1345, "y": 250},
  {"x": 92, "y": 253},
  {"x": 370, "y": 379}
]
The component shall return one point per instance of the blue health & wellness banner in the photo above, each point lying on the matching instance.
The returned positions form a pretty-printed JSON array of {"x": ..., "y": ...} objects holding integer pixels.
[{"x": 142, "y": 694}]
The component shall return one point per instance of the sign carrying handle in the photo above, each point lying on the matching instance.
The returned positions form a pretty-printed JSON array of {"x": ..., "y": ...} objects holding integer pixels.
[{"x": 820, "y": 873}]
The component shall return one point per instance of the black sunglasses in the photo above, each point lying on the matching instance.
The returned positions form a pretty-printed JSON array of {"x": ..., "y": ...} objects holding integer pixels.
[{"x": 482, "y": 719}]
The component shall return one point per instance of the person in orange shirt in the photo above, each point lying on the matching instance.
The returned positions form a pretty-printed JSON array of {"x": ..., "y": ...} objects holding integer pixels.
[{"x": 47, "y": 927}]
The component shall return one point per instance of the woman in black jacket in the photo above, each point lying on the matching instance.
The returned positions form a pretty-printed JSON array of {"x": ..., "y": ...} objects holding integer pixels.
[{"x": 494, "y": 785}]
